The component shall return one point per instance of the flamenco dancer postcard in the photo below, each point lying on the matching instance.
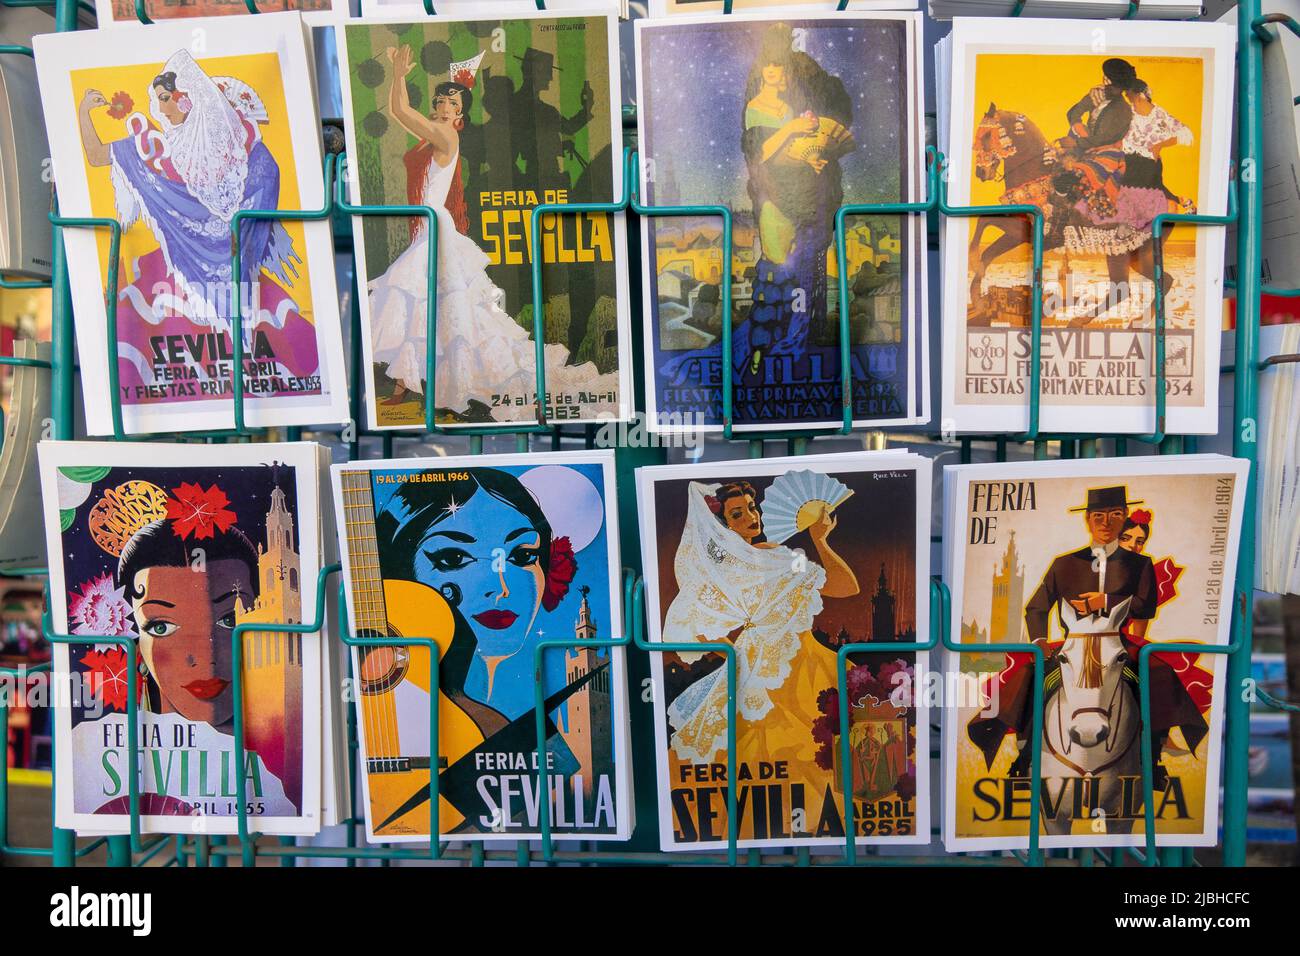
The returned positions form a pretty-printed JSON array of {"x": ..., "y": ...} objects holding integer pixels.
[
  {"x": 173, "y": 134},
  {"x": 483, "y": 120},
  {"x": 1090, "y": 560},
  {"x": 175, "y": 547},
  {"x": 1104, "y": 126},
  {"x": 788, "y": 561},
  {"x": 492, "y": 558},
  {"x": 782, "y": 121}
]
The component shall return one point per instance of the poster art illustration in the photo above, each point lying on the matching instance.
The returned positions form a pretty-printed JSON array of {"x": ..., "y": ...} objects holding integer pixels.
[
  {"x": 1103, "y": 142},
  {"x": 490, "y": 562},
  {"x": 1091, "y": 566},
  {"x": 174, "y": 144},
  {"x": 317, "y": 12},
  {"x": 176, "y": 557},
  {"x": 483, "y": 121},
  {"x": 793, "y": 126},
  {"x": 788, "y": 566}
]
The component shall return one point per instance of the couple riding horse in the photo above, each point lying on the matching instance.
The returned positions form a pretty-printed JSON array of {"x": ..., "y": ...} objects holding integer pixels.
[
  {"x": 1105, "y": 594},
  {"x": 1100, "y": 186}
]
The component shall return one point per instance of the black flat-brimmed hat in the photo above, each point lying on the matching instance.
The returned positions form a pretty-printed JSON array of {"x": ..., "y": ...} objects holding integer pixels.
[{"x": 1103, "y": 499}]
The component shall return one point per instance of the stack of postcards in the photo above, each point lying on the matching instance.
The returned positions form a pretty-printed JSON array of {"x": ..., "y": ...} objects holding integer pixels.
[{"x": 1089, "y": 9}]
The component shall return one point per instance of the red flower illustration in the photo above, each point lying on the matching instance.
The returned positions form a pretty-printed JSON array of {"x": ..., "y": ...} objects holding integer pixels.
[
  {"x": 714, "y": 504},
  {"x": 465, "y": 78},
  {"x": 1141, "y": 516},
  {"x": 197, "y": 512},
  {"x": 107, "y": 673},
  {"x": 121, "y": 105},
  {"x": 563, "y": 567}
]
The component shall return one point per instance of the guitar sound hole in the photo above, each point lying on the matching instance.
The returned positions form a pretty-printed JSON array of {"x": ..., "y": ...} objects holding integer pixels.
[{"x": 382, "y": 667}]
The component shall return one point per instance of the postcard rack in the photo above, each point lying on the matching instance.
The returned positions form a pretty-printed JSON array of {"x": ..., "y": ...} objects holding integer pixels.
[{"x": 1244, "y": 208}]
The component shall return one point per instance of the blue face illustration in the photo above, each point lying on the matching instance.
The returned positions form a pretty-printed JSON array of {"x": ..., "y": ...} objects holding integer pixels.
[{"x": 490, "y": 555}]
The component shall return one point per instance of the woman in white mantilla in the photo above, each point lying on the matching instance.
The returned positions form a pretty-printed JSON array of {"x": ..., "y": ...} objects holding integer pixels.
[{"x": 763, "y": 597}]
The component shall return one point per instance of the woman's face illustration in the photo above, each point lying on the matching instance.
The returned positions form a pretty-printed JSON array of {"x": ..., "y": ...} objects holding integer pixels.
[
  {"x": 774, "y": 74},
  {"x": 485, "y": 556},
  {"x": 1133, "y": 539},
  {"x": 743, "y": 517},
  {"x": 167, "y": 103},
  {"x": 185, "y": 619},
  {"x": 447, "y": 107},
  {"x": 1140, "y": 102}
]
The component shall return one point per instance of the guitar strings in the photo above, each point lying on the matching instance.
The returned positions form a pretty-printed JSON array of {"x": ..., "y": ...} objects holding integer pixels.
[{"x": 381, "y": 718}]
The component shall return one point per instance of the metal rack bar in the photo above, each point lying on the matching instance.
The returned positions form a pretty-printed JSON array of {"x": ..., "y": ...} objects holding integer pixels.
[{"x": 1250, "y": 148}]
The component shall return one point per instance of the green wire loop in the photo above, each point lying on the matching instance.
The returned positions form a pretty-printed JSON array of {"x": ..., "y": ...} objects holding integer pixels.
[
  {"x": 1035, "y": 854},
  {"x": 728, "y": 650},
  {"x": 247, "y": 840},
  {"x": 435, "y": 751},
  {"x": 723, "y": 213},
  {"x": 125, "y": 642},
  {"x": 940, "y": 609},
  {"x": 1144, "y": 703},
  {"x": 539, "y": 707},
  {"x": 1035, "y": 214},
  {"x": 1259, "y": 25}
]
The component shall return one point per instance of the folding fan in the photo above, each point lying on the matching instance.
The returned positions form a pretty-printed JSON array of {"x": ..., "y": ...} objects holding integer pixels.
[{"x": 793, "y": 501}]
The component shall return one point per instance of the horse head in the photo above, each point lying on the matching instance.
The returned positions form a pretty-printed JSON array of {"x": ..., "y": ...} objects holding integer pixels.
[
  {"x": 1092, "y": 665},
  {"x": 1001, "y": 135}
]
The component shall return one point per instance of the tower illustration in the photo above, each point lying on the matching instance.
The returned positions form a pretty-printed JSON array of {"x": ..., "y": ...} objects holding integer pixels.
[
  {"x": 1008, "y": 597},
  {"x": 272, "y": 666},
  {"x": 883, "y": 620},
  {"x": 588, "y": 728}
]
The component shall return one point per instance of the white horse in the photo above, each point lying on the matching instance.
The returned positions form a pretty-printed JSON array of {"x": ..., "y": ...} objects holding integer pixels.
[{"x": 1092, "y": 721}]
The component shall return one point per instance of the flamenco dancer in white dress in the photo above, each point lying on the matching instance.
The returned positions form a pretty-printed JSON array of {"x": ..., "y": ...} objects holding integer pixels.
[{"x": 481, "y": 350}]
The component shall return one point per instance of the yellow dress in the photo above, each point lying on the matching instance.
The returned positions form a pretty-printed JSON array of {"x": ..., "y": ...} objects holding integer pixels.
[{"x": 786, "y": 732}]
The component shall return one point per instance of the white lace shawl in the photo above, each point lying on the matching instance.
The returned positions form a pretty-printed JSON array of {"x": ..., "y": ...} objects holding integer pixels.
[
  {"x": 209, "y": 150},
  {"x": 724, "y": 583}
]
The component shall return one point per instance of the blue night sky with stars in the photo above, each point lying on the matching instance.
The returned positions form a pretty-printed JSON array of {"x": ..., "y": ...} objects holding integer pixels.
[{"x": 694, "y": 92}]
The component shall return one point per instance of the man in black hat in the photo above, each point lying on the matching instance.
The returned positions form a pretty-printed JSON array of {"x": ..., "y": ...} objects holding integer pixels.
[
  {"x": 1095, "y": 579},
  {"x": 1098, "y": 123},
  {"x": 1098, "y": 577},
  {"x": 1102, "y": 116}
]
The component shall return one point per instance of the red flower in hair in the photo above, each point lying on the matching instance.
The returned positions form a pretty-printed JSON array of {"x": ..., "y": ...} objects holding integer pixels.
[
  {"x": 197, "y": 512},
  {"x": 714, "y": 504},
  {"x": 465, "y": 78},
  {"x": 560, "y": 574},
  {"x": 1141, "y": 516}
]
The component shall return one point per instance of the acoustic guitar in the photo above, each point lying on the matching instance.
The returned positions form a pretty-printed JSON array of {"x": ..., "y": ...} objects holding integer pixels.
[{"x": 393, "y": 608}]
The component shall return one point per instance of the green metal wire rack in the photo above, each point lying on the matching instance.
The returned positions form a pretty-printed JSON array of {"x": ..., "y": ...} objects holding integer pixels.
[{"x": 1245, "y": 205}]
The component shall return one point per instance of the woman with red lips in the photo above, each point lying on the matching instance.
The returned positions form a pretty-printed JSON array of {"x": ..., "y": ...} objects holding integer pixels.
[
  {"x": 185, "y": 617},
  {"x": 483, "y": 542}
]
